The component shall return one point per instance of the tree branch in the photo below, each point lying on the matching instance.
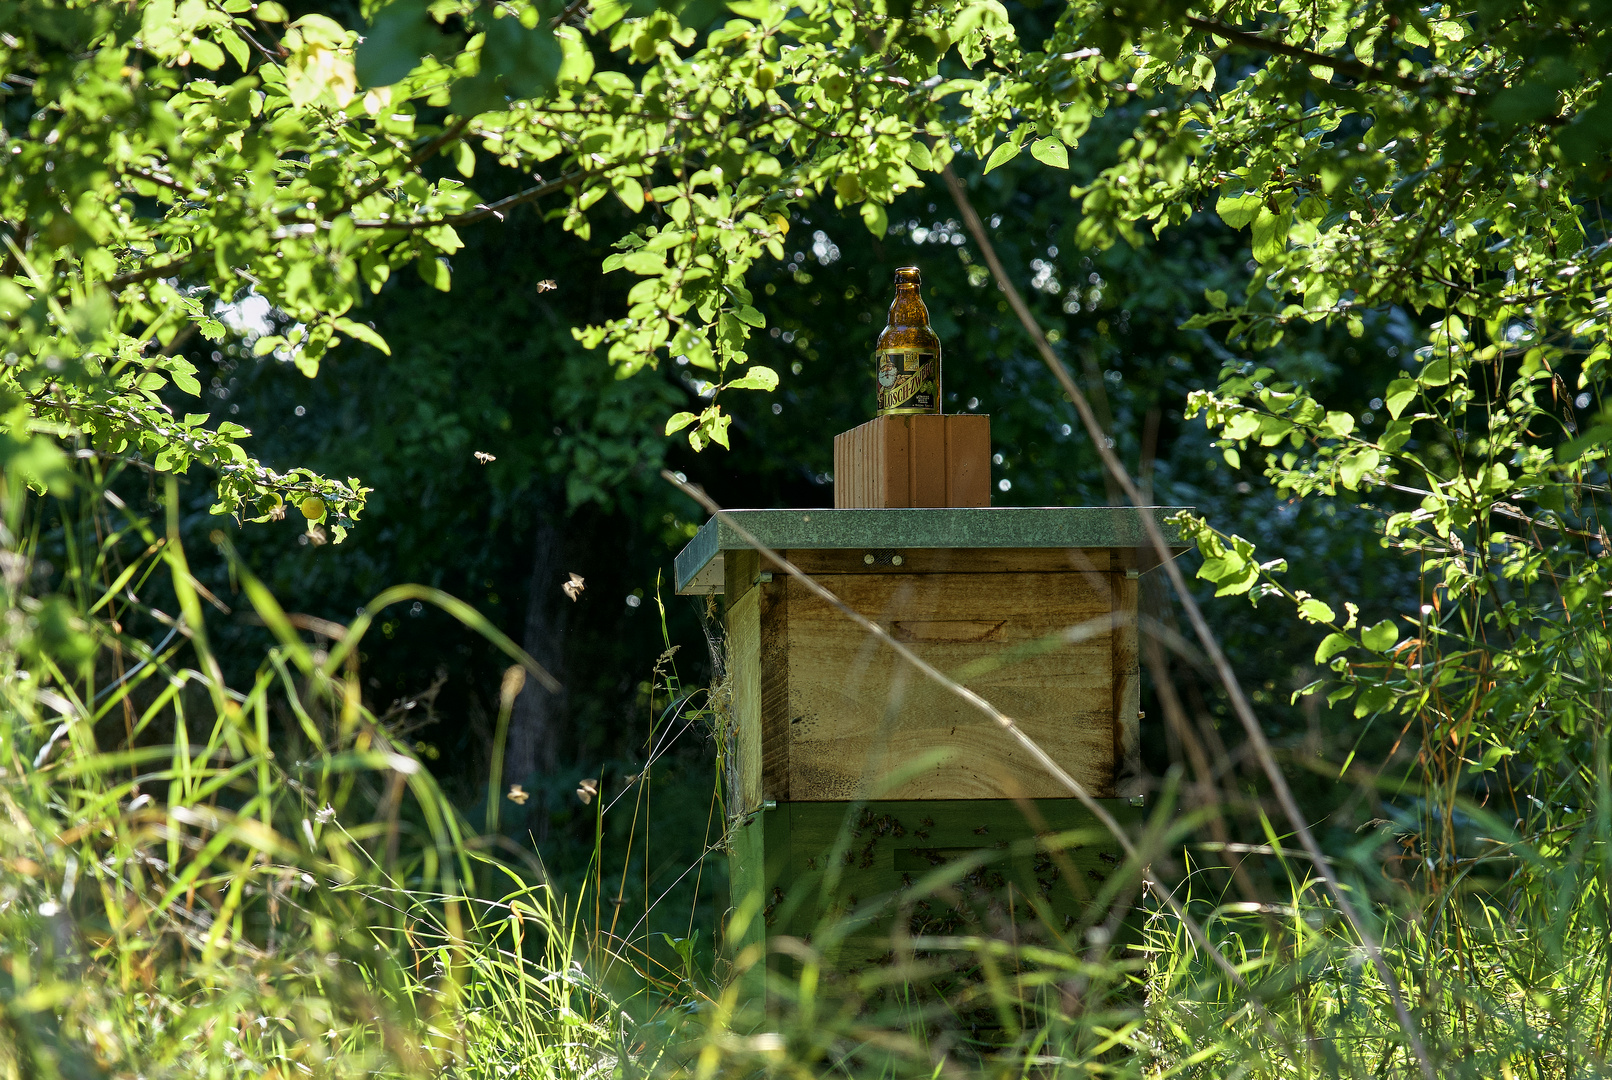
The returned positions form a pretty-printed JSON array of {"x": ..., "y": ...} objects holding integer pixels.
[
  {"x": 167, "y": 182},
  {"x": 146, "y": 273},
  {"x": 485, "y": 210},
  {"x": 1354, "y": 69},
  {"x": 268, "y": 54},
  {"x": 424, "y": 154}
]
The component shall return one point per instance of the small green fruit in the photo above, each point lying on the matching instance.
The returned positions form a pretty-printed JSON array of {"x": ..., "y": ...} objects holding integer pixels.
[{"x": 313, "y": 508}]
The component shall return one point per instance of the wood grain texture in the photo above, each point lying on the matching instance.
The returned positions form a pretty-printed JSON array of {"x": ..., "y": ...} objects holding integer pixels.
[
  {"x": 1128, "y": 778},
  {"x": 914, "y": 461},
  {"x": 871, "y": 465},
  {"x": 968, "y": 460},
  {"x": 739, "y": 570},
  {"x": 953, "y": 560},
  {"x": 747, "y": 877},
  {"x": 744, "y": 673},
  {"x": 860, "y": 723},
  {"x": 926, "y": 459},
  {"x": 772, "y": 716}
]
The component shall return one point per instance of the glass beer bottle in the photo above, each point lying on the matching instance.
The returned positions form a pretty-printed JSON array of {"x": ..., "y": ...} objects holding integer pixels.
[{"x": 907, "y": 356}]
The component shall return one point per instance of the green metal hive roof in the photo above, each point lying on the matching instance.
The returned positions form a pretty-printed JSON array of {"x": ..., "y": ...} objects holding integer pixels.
[{"x": 699, "y": 564}]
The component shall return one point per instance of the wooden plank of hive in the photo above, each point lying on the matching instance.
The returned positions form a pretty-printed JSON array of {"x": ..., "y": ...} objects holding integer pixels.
[
  {"x": 744, "y": 683},
  {"x": 954, "y": 560},
  {"x": 1128, "y": 779},
  {"x": 858, "y": 718},
  {"x": 773, "y": 715}
]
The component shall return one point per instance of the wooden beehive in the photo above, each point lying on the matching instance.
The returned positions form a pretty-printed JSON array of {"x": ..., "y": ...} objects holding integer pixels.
[{"x": 1034, "y": 608}]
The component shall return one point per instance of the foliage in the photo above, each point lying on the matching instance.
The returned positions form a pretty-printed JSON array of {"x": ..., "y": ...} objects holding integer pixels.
[
  {"x": 288, "y": 179},
  {"x": 1485, "y": 457},
  {"x": 206, "y": 880},
  {"x": 1421, "y": 176}
]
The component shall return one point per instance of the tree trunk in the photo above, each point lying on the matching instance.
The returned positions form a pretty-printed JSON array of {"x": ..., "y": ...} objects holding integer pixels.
[{"x": 537, "y": 720}]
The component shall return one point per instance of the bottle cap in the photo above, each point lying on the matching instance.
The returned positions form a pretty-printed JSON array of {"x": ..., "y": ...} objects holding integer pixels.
[{"x": 908, "y": 275}]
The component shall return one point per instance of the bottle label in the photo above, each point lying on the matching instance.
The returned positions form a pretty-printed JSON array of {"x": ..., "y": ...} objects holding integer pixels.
[{"x": 908, "y": 380}]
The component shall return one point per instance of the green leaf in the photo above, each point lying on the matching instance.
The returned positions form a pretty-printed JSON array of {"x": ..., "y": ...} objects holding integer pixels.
[
  {"x": 756, "y": 378},
  {"x": 236, "y": 49},
  {"x": 647, "y": 263},
  {"x": 713, "y": 428},
  {"x": 184, "y": 375},
  {"x": 1002, "y": 155},
  {"x": 875, "y": 218},
  {"x": 1395, "y": 435},
  {"x": 1242, "y": 425},
  {"x": 1380, "y": 638},
  {"x": 630, "y": 192},
  {"x": 359, "y": 332},
  {"x": 1331, "y": 646},
  {"x": 1492, "y": 757},
  {"x": 607, "y": 13},
  {"x": 1313, "y": 610},
  {"x": 679, "y": 421},
  {"x": 1353, "y": 466},
  {"x": 1270, "y": 234},
  {"x": 1588, "y": 138},
  {"x": 1401, "y": 392},
  {"x": 1050, "y": 151},
  {"x": 1238, "y": 210},
  {"x": 434, "y": 271},
  {"x": 207, "y": 54},
  {"x": 1231, "y": 567},
  {"x": 1436, "y": 373},
  {"x": 1374, "y": 698},
  {"x": 38, "y": 460},
  {"x": 918, "y": 156}
]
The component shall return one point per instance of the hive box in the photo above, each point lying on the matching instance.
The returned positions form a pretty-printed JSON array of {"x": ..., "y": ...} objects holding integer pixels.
[{"x": 1034, "y": 608}]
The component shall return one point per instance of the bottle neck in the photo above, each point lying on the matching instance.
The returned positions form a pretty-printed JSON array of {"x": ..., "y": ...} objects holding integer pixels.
[{"x": 908, "y": 308}]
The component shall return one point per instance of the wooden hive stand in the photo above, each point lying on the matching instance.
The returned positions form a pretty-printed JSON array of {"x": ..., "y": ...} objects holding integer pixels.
[{"x": 849, "y": 759}]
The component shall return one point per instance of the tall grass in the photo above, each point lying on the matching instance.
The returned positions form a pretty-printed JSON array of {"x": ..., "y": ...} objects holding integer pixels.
[
  {"x": 205, "y": 879},
  {"x": 208, "y": 880}
]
